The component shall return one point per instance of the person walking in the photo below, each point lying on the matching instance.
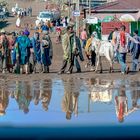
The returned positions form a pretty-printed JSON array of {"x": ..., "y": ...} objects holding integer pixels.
[
  {"x": 135, "y": 51},
  {"x": 12, "y": 50},
  {"x": 4, "y": 41},
  {"x": 122, "y": 48},
  {"x": 83, "y": 37},
  {"x": 90, "y": 50},
  {"x": 35, "y": 57},
  {"x": 45, "y": 52},
  {"x": 72, "y": 49},
  {"x": 24, "y": 47}
]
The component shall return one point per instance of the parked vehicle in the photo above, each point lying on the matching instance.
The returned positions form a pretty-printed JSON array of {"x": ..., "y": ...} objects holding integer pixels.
[
  {"x": 48, "y": 15},
  {"x": 43, "y": 16}
]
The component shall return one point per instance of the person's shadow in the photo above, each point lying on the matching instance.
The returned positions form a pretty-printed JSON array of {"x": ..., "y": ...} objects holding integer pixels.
[{"x": 4, "y": 24}]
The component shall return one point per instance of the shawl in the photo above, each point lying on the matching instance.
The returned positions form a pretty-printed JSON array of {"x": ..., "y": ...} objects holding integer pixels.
[
  {"x": 122, "y": 39},
  {"x": 121, "y": 110}
]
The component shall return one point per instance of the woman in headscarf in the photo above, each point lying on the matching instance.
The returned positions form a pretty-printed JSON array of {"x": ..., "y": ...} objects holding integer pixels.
[
  {"x": 90, "y": 50},
  {"x": 4, "y": 43},
  {"x": 12, "y": 50},
  {"x": 46, "y": 51},
  {"x": 24, "y": 50},
  {"x": 35, "y": 57}
]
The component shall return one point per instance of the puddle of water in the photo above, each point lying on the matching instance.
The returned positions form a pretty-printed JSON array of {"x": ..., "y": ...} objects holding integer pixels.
[{"x": 86, "y": 102}]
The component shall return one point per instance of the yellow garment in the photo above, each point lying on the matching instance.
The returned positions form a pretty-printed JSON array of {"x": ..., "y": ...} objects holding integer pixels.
[
  {"x": 87, "y": 47},
  {"x": 114, "y": 38},
  {"x": 65, "y": 45}
]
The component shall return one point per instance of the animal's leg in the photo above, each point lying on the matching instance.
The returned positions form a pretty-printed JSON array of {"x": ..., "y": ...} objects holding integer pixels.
[
  {"x": 111, "y": 66},
  {"x": 110, "y": 60},
  {"x": 97, "y": 64},
  {"x": 100, "y": 61}
]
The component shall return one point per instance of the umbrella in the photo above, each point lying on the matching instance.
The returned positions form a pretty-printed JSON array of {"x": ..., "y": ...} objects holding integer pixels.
[
  {"x": 127, "y": 18},
  {"x": 108, "y": 19}
]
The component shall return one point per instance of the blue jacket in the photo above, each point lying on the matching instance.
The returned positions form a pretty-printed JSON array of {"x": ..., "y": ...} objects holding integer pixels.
[
  {"x": 24, "y": 44},
  {"x": 135, "y": 48},
  {"x": 45, "y": 28},
  {"x": 35, "y": 44}
]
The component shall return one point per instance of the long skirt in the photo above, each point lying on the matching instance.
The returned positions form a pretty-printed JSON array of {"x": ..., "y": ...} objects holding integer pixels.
[{"x": 46, "y": 57}]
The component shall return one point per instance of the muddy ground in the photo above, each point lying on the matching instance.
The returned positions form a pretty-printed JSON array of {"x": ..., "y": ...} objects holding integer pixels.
[{"x": 58, "y": 53}]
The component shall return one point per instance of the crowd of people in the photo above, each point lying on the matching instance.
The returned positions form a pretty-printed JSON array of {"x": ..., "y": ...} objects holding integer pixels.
[
  {"x": 122, "y": 42},
  {"x": 24, "y": 54},
  {"x": 21, "y": 11},
  {"x": 53, "y": 26}
]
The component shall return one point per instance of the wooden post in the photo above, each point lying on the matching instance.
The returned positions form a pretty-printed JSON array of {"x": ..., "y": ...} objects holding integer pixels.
[{"x": 77, "y": 19}]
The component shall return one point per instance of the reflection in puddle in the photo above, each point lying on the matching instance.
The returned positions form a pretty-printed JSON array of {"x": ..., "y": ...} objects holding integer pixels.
[
  {"x": 92, "y": 98},
  {"x": 70, "y": 98},
  {"x": 4, "y": 101}
]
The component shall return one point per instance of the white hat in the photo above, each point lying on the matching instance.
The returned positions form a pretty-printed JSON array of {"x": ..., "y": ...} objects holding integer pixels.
[
  {"x": 2, "y": 31},
  {"x": 94, "y": 33}
]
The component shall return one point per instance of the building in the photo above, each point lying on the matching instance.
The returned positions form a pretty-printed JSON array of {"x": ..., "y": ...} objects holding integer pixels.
[
  {"x": 120, "y": 9},
  {"x": 114, "y": 14},
  {"x": 94, "y": 3}
]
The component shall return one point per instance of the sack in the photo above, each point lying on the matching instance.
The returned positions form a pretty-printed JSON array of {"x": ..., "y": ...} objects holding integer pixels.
[{"x": 45, "y": 43}]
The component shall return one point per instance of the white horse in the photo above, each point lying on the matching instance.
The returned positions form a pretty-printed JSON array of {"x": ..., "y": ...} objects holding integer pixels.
[{"x": 106, "y": 49}]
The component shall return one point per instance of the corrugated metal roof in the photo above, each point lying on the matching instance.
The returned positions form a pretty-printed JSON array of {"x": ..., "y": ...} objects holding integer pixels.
[{"x": 120, "y": 4}]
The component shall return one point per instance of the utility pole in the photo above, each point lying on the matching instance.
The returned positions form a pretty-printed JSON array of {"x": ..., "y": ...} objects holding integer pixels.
[
  {"x": 69, "y": 8},
  {"x": 89, "y": 7},
  {"x": 77, "y": 19}
]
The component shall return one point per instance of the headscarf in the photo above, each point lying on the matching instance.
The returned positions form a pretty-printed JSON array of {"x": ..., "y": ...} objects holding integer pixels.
[{"x": 26, "y": 32}]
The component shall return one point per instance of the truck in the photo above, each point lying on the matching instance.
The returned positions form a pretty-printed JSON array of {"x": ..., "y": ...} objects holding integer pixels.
[{"x": 48, "y": 15}]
